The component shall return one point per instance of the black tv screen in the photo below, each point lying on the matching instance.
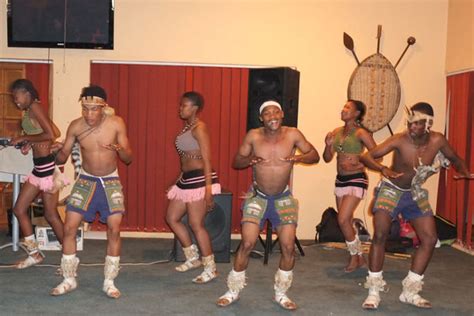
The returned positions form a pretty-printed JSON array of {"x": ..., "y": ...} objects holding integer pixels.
[{"x": 61, "y": 23}]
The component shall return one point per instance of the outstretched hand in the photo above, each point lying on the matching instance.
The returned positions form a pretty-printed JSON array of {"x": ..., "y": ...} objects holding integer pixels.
[
  {"x": 467, "y": 176},
  {"x": 256, "y": 160},
  {"x": 389, "y": 173},
  {"x": 17, "y": 141},
  {"x": 290, "y": 159},
  {"x": 113, "y": 147},
  {"x": 25, "y": 148},
  {"x": 56, "y": 146}
]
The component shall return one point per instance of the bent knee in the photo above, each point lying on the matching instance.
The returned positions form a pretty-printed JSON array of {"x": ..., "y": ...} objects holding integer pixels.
[
  {"x": 51, "y": 216},
  {"x": 429, "y": 241},
  {"x": 288, "y": 250},
  {"x": 343, "y": 221},
  {"x": 246, "y": 246},
  {"x": 380, "y": 238},
  {"x": 70, "y": 230},
  {"x": 196, "y": 226},
  {"x": 171, "y": 220}
]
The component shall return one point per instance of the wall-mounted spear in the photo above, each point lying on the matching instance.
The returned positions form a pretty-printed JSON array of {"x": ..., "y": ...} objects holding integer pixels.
[
  {"x": 410, "y": 41},
  {"x": 349, "y": 43},
  {"x": 379, "y": 35}
]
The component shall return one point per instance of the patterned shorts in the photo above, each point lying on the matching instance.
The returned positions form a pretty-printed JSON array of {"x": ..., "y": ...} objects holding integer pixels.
[
  {"x": 96, "y": 194},
  {"x": 281, "y": 209},
  {"x": 394, "y": 200}
]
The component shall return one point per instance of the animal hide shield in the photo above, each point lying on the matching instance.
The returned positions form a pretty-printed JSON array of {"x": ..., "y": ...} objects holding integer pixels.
[{"x": 375, "y": 82}]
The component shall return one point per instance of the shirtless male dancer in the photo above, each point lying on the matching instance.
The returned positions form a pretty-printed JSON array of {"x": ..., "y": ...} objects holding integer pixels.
[
  {"x": 271, "y": 150},
  {"x": 103, "y": 140},
  {"x": 418, "y": 153}
]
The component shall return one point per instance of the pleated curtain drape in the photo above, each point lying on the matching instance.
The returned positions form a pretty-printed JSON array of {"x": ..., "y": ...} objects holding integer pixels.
[
  {"x": 456, "y": 197},
  {"x": 38, "y": 74},
  {"x": 147, "y": 98}
]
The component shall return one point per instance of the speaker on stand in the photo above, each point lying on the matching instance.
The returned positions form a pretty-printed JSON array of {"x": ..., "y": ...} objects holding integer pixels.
[
  {"x": 218, "y": 224},
  {"x": 278, "y": 84}
]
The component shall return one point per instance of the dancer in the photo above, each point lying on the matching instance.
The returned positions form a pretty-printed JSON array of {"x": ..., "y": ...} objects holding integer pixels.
[
  {"x": 39, "y": 133},
  {"x": 418, "y": 153},
  {"x": 271, "y": 151},
  {"x": 192, "y": 193},
  {"x": 103, "y": 140},
  {"x": 349, "y": 142}
]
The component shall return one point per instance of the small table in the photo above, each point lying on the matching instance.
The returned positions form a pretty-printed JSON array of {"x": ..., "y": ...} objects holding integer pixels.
[{"x": 13, "y": 165}]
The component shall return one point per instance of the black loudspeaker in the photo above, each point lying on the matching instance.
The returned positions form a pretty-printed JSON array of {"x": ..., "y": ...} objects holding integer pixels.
[
  {"x": 218, "y": 224},
  {"x": 278, "y": 84}
]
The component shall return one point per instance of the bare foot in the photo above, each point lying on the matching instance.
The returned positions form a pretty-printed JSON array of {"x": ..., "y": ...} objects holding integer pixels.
[{"x": 355, "y": 262}]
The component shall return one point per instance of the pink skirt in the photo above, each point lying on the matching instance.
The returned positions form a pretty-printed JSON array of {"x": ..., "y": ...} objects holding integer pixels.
[{"x": 191, "y": 187}]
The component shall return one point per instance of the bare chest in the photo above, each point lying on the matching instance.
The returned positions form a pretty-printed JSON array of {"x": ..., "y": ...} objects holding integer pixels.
[
  {"x": 414, "y": 156},
  {"x": 274, "y": 149},
  {"x": 96, "y": 138}
]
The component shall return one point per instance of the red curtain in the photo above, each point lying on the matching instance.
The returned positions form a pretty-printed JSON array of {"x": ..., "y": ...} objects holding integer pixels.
[
  {"x": 456, "y": 197},
  {"x": 147, "y": 98},
  {"x": 38, "y": 74}
]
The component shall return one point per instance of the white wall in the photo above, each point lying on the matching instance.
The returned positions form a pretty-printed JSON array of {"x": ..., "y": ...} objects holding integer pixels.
[
  {"x": 304, "y": 34},
  {"x": 460, "y": 40}
]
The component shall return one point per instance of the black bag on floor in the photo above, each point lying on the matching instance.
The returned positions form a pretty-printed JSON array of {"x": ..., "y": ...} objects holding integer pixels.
[
  {"x": 395, "y": 243},
  {"x": 328, "y": 230},
  {"x": 360, "y": 229}
]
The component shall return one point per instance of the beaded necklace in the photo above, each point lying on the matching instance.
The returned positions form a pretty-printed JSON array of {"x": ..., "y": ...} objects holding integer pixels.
[{"x": 182, "y": 153}]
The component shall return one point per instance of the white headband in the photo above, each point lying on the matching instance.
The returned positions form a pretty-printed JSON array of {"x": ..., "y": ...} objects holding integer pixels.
[
  {"x": 413, "y": 116},
  {"x": 269, "y": 103}
]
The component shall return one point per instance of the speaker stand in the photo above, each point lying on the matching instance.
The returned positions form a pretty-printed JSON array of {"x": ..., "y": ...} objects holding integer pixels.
[{"x": 268, "y": 244}]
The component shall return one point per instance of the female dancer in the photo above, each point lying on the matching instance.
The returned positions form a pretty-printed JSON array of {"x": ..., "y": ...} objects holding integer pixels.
[
  {"x": 38, "y": 134},
  {"x": 348, "y": 142},
  {"x": 192, "y": 193}
]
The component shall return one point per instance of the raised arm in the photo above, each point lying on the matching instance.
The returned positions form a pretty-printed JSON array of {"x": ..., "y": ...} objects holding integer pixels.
[
  {"x": 328, "y": 153},
  {"x": 371, "y": 159},
  {"x": 245, "y": 157},
  {"x": 367, "y": 139},
  {"x": 309, "y": 154},
  {"x": 123, "y": 148},
  {"x": 63, "y": 149}
]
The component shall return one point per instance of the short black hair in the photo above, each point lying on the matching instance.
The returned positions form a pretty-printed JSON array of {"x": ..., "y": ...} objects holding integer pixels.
[
  {"x": 93, "y": 91},
  {"x": 25, "y": 84},
  {"x": 195, "y": 97},
  {"x": 360, "y": 106},
  {"x": 423, "y": 107}
]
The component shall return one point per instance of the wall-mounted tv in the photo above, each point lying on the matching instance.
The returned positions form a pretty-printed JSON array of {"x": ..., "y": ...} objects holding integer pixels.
[{"x": 61, "y": 23}]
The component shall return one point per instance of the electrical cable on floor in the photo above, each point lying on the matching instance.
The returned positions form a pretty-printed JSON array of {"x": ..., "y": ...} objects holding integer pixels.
[{"x": 129, "y": 264}]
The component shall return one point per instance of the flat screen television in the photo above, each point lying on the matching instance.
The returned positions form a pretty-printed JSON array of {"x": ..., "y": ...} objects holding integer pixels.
[{"x": 61, "y": 23}]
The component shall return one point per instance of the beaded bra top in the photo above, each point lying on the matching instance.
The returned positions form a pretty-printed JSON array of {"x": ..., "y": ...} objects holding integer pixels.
[
  {"x": 185, "y": 142},
  {"x": 348, "y": 144},
  {"x": 28, "y": 125}
]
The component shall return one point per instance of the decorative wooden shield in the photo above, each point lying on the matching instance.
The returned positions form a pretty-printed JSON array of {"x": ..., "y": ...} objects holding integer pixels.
[{"x": 375, "y": 82}]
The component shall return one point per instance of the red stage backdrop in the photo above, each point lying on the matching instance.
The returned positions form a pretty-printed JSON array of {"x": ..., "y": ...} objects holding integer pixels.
[
  {"x": 147, "y": 98},
  {"x": 38, "y": 74},
  {"x": 456, "y": 198}
]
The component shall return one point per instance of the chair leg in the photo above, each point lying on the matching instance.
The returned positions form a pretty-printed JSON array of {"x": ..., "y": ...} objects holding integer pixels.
[{"x": 299, "y": 246}]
